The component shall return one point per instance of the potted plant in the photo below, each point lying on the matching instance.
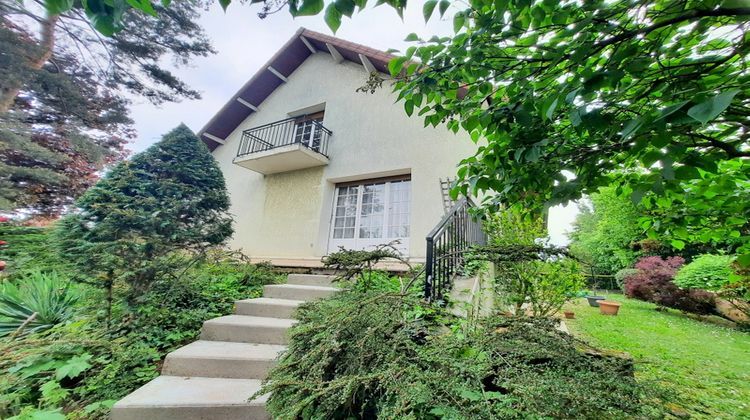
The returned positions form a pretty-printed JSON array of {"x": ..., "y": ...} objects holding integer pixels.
[
  {"x": 569, "y": 314},
  {"x": 594, "y": 300},
  {"x": 608, "y": 307}
]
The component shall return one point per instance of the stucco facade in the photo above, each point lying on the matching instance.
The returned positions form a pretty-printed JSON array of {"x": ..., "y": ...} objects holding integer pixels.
[{"x": 289, "y": 214}]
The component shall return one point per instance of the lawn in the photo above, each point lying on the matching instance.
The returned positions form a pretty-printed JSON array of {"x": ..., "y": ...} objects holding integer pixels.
[{"x": 704, "y": 368}]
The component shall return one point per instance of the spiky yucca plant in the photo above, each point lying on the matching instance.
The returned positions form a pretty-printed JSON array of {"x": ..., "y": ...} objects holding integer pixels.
[{"x": 35, "y": 303}]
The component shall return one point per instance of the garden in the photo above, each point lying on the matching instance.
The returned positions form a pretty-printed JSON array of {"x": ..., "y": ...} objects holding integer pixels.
[{"x": 637, "y": 111}]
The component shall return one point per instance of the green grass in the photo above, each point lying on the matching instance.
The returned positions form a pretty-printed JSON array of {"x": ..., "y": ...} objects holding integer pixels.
[{"x": 704, "y": 368}]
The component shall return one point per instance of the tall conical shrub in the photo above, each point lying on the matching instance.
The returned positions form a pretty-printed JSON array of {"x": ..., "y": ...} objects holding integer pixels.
[{"x": 169, "y": 198}]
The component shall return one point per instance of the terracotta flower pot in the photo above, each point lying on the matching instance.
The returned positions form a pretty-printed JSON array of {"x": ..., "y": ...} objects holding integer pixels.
[
  {"x": 594, "y": 300},
  {"x": 607, "y": 307},
  {"x": 570, "y": 315}
]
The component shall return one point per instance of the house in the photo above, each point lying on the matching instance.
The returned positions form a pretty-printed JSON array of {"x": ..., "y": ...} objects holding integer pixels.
[{"x": 312, "y": 165}]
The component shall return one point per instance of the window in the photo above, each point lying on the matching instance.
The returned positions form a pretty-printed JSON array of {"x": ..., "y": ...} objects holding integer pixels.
[
  {"x": 370, "y": 213},
  {"x": 308, "y": 130}
]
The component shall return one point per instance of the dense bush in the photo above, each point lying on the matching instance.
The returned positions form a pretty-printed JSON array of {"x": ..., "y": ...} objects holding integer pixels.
[
  {"x": 654, "y": 283},
  {"x": 707, "y": 272},
  {"x": 622, "y": 275},
  {"x": 386, "y": 355}
]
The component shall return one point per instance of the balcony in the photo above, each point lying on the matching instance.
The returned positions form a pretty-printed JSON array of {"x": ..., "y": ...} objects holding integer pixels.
[{"x": 283, "y": 146}]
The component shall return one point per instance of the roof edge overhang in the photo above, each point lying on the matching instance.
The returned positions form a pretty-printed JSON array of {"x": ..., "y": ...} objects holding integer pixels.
[{"x": 275, "y": 72}]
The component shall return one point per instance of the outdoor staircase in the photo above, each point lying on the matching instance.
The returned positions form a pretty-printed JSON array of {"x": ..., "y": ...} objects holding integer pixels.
[{"x": 214, "y": 377}]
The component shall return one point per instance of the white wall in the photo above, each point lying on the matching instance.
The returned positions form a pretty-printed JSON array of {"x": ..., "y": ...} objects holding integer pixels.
[{"x": 288, "y": 214}]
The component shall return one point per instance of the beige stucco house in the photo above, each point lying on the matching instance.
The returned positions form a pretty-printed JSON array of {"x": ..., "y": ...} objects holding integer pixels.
[{"x": 311, "y": 164}]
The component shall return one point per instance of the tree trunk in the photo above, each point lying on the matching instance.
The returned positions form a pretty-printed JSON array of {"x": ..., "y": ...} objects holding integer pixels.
[{"x": 47, "y": 44}]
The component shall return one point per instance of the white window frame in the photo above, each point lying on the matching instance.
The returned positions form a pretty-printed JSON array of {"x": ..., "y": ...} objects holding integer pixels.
[{"x": 368, "y": 243}]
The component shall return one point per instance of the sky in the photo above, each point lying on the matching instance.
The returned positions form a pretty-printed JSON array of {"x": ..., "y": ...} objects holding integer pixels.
[{"x": 245, "y": 42}]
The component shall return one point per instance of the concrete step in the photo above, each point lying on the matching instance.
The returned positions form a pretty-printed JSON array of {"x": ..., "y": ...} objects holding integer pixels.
[
  {"x": 267, "y": 307},
  {"x": 247, "y": 329},
  {"x": 183, "y": 398},
  {"x": 222, "y": 359},
  {"x": 297, "y": 291},
  {"x": 311, "y": 279}
]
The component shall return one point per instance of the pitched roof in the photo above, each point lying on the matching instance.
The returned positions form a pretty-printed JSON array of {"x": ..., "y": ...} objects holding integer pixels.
[{"x": 273, "y": 74}]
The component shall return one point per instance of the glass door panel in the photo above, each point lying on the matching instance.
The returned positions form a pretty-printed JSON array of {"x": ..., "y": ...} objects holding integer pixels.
[{"x": 371, "y": 214}]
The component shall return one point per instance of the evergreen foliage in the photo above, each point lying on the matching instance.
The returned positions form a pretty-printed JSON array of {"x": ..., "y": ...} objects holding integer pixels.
[
  {"x": 28, "y": 248},
  {"x": 61, "y": 130},
  {"x": 171, "y": 197},
  {"x": 63, "y": 114},
  {"x": 380, "y": 354}
]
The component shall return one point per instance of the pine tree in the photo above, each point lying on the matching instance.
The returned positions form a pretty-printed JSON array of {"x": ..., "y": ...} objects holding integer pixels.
[
  {"x": 169, "y": 199},
  {"x": 63, "y": 115}
]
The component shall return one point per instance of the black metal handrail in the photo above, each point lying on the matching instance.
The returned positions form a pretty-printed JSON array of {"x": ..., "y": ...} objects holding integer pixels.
[
  {"x": 297, "y": 130},
  {"x": 446, "y": 245}
]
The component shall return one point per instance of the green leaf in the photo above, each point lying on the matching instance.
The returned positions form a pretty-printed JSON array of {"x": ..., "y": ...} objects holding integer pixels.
[
  {"x": 396, "y": 65},
  {"x": 686, "y": 172},
  {"x": 409, "y": 107},
  {"x": 428, "y": 9},
  {"x": 333, "y": 17},
  {"x": 458, "y": 21},
  {"x": 470, "y": 395},
  {"x": 73, "y": 367},
  {"x": 671, "y": 110},
  {"x": 55, "y": 7},
  {"x": 310, "y": 8},
  {"x": 631, "y": 127},
  {"x": 346, "y": 7},
  {"x": 444, "y": 4},
  {"x": 548, "y": 108},
  {"x": 650, "y": 157},
  {"x": 678, "y": 244},
  {"x": 146, "y": 6},
  {"x": 712, "y": 107}
]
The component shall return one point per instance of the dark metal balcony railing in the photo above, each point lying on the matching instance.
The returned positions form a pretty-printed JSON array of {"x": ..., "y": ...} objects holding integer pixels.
[
  {"x": 309, "y": 133},
  {"x": 446, "y": 246}
]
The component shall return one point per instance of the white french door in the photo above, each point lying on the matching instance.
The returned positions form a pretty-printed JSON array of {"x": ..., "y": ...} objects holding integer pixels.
[{"x": 371, "y": 213}]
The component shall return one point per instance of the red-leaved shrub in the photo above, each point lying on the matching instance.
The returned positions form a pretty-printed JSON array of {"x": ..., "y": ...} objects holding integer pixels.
[{"x": 653, "y": 283}]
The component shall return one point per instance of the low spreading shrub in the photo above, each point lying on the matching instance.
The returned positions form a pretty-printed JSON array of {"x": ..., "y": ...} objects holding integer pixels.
[
  {"x": 707, "y": 272},
  {"x": 383, "y": 354},
  {"x": 654, "y": 283}
]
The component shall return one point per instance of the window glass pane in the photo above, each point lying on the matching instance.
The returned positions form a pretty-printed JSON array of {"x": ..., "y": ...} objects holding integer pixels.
[
  {"x": 398, "y": 209},
  {"x": 372, "y": 215},
  {"x": 345, "y": 212}
]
